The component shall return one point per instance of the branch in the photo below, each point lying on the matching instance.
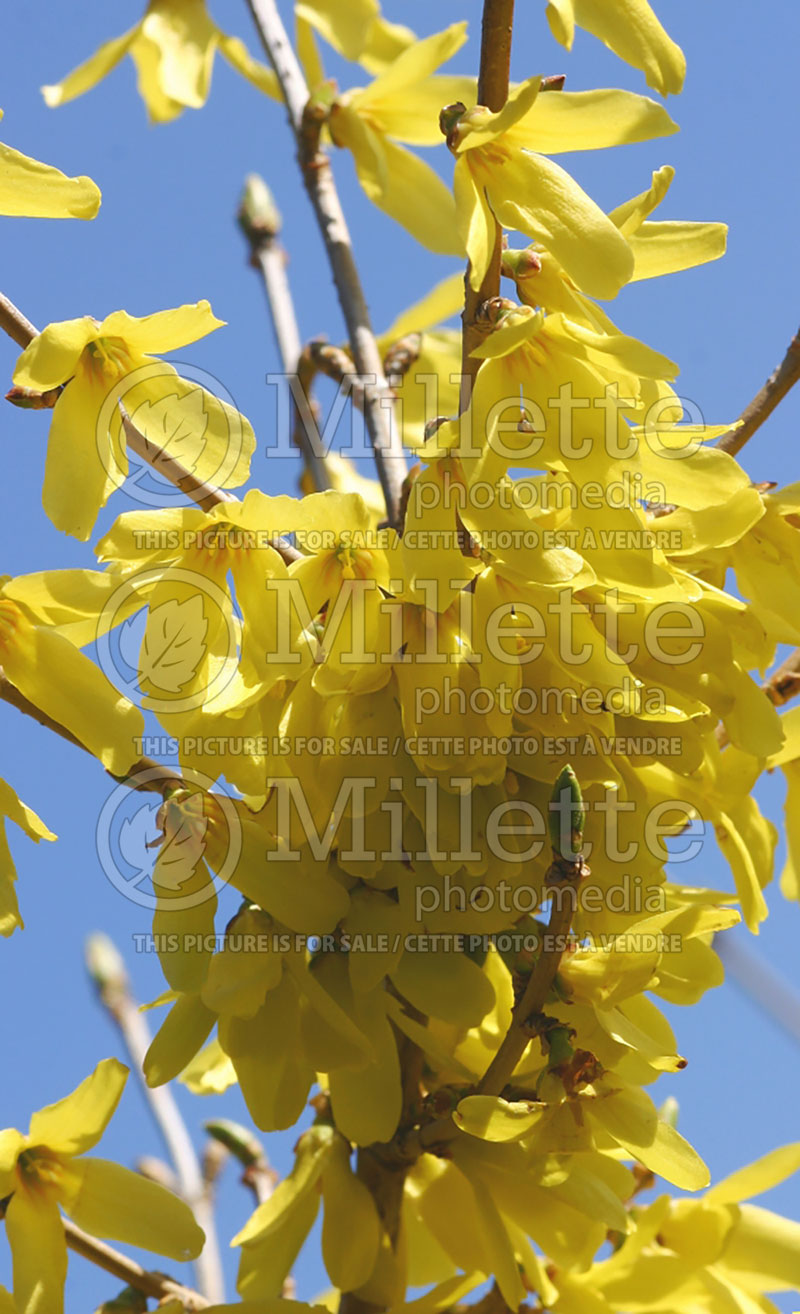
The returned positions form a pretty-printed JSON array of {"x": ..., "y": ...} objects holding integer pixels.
[
  {"x": 315, "y": 166},
  {"x": 105, "y": 965},
  {"x": 516, "y": 1040},
  {"x": 14, "y": 323},
  {"x": 260, "y": 221},
  {"x": 496, "y": 32},
  {"x": 768, "y": 989},
  {"x": 118, "y": 1265},
  {"x": 763, "y": 404},
  {"x": 159, "y": 777}
]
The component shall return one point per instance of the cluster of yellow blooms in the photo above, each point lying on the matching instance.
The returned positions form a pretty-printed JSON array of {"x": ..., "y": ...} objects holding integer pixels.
[{"x": 391, "y": 707}]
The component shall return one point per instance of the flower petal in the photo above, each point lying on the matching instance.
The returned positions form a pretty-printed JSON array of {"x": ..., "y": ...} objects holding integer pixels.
[
  {"x": 400, "y": 184},
  {"x": 590, "y": 120},
  {"x": 186, "y": 39},
  {"x": 561, "y": 18},
  {"x": 50, "y": 359},
  {"x": 415, "y": 64},
  {"x": 163, "y": 331},
  {"x": 28, "y": 187},
  {"x": 239, "y": 57},
  {"x": 92, "y": 71},
  {"x": 36, "y": 1236},
  {"x": 757, "y": 1177},
  {"x": 114, "y": 1203},
  {"x": 540, "y": 198},
  {"x": 77, "y": 478},
  {"x": 11, "y": 1143},
  {"x": 632, "y": 31},
  {"x": 344, "y": 27},
  {"x": 669, "y": 246},
  {"x": 441, "y": 303},
  {"x": 66, "y": 685},
  {"x": 475, "y": 221},
  {"x": 77, "y": 1122}
]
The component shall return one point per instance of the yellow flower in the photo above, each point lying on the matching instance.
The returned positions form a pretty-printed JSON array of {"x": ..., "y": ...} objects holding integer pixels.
[
  {"x": 659, "y": 247},
  {"x": 15, "y": 810},
  {"x": 402, "y": 104},
  {"x": 28, "y": 187},
  {"x": 502, "y": 174},
  {"x": 630, "y": 29},
  {"x": 173, "y": 48},
  {"x": 41, "y": 1170},
  {"x": 103, "y": 363},
  {"x": 67, "y": 686}
]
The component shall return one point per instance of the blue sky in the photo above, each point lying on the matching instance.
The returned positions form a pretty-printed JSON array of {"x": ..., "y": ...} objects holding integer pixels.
[{"x": 165, "y": 235}]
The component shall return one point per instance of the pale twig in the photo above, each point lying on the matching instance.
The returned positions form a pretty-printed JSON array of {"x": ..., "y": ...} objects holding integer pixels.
[
  {"x": 763, "y": 404},
  {"x": 496, "y": 32},
  {"x": 107, "y": 969},
  {"x": 318, "y": 177},
  {"x": 260, "y": 221},
  {"x": 766, "y": 987}
]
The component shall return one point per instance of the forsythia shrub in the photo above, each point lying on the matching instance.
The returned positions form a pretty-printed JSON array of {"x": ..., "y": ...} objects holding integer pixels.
[{"x": 457, "y": 728}]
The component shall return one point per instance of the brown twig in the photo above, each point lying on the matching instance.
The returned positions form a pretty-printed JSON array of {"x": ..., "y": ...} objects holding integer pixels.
[
  {"x": 107, "y": 969},
  {"x": 120, "y": 1266},
  {"x": 260, "y": 221},
  {"x": 306, "y": 124},
  {"x": 157, "y": 778},
  {"x": 14, "y": 323},
  {"x": 516, "y": 1040},
  {"x": 780, "y": 382},
  {"x": 496, "y": 32}
]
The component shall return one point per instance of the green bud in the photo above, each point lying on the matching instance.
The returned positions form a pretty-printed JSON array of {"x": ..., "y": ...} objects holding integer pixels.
[
  {"x": 449, "y": 116},
  {"x": 239, "y": 1140},
  {"x": 104, "y": 963},
  {"x": 669, "y": 1111},
  {"x": 128, "y": 1301},
  {"x": 259, "y": 216},
  {"x": 567, "y": 815}
]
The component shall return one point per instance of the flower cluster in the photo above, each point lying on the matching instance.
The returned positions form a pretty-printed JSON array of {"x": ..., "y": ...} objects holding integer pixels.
[{"x": 442, "y": 738}]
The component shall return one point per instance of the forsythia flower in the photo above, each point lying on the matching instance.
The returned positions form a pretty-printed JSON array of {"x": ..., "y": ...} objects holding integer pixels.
[
  {"x": 28, "y": 187},
  {"x": 659, "y": 247},
  {"x": 402, "y": 104},
  {"x": 41, "y": 1170},
  {"x": 173, "y": 48},
  {"x": 99, "y": 364},
  {"x": 502, "y": 174},
  {"x": 630, "y": 29}
]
